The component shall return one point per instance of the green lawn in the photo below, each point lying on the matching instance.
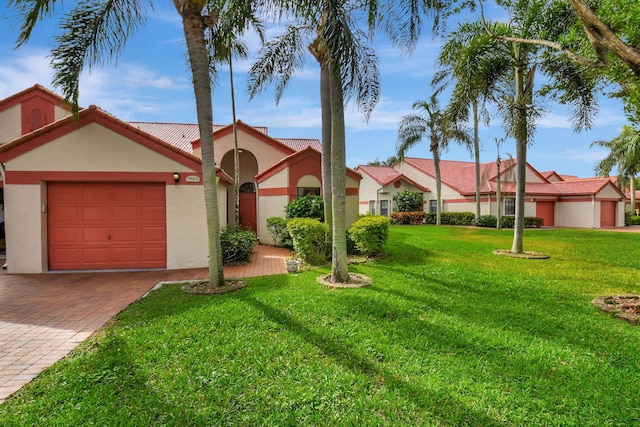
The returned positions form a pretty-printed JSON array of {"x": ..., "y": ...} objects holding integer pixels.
[{"x": 449, "y": 334}]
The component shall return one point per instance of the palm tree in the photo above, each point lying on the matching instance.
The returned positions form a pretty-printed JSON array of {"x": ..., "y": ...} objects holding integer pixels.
[
  {"x": 96, "y": 32},
  {"x": 223, "y": 44},
  {"x": 348, "y": 70},
  {"x": 474, "y": 79},
  {"x": 625, "y": 155},
  {"x": 516, "y": 66},
  {"x": 432, "y": 123}
]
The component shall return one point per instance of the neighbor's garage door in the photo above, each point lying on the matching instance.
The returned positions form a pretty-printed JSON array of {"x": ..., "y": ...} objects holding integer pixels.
[
  {"x": 544, "y": 210},
  {"x": 607, "y": 214},
  {"x": 106, "y": 225}
]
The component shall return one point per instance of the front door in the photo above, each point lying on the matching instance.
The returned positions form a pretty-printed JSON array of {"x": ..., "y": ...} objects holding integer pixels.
[{"x": 248, "y": 211}]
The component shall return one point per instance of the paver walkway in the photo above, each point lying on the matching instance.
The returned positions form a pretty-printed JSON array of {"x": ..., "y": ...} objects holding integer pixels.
[{"x": 43, "y": 317}]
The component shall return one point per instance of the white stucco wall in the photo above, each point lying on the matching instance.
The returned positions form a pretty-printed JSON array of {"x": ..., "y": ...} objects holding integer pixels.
[
  {"x": 269, "y": 206},
  {"x": 187, "y": 245},
  {"x": 10, "y": 124},
  {"x": 94, "y": 148},
  {"x": 584, "y": 214},
  {"x": 26, "y": 228},
  {"x": 265, "y": 154}
]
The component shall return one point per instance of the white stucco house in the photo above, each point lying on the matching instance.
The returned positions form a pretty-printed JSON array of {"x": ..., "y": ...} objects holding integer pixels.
[
  {"x": 98, "y": 193},
  {"x": 560, "y": 200}
]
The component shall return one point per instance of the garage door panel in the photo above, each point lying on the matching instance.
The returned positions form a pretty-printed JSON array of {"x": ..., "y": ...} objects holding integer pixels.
[
  {"x": 124, "y": 234},
  {"x": 153, "y": 234},
  {"x": 607, "y": 214},
  {"x": 64, "y": 214},
  {"x": 106, "y": 225},
  {"x": 151, "y": 254},
  {"x": 91, "y": 193},
  {"x": 153, "y": 213},
  {"x": 95, "y": 213},
  {"x": 65, "y": 234},
  {"x": 124, "y": 213},
  {"x": 95, "y": 234}
]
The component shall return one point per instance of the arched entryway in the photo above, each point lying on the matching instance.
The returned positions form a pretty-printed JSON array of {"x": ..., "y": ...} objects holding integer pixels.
[
  {"x": 247, "y": 197},
  {"x": 248, "y": 210}
]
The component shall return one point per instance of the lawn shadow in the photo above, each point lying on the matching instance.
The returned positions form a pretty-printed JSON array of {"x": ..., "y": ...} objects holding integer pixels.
[{"x": 342, "y": 355}]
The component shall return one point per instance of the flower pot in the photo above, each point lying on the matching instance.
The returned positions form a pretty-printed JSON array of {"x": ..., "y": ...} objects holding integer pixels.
[{"x": 292, "y": 266}]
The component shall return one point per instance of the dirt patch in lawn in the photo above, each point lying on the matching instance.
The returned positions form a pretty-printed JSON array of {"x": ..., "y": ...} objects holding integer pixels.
[
  {"x": 355, "y": 281},
  {"x": 525, "y": 254},
  {"x": 203, "y": 287},
  {"x": 625, "y": 307}
]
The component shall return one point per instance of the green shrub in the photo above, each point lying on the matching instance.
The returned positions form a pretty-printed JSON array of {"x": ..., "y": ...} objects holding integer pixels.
[
  {"x": 507, "y": 221},
  {"x": 627, "y": 218},
  {"x": 277, "y": 227},
  {"x": 237, "y": 244},
  {"x": 413, "y": 218},
  {"x": 309, "y": 206},
  {"x": 487, "y": 221},
  {"x": 634, "y": 220},
  {"x": 533, "y": 222},
  {"x": 408, "y": 201},
  {"x": 452, "y": 218},
  {"x": 308, "y": 235},
  {"x": 370, "y": 234}
]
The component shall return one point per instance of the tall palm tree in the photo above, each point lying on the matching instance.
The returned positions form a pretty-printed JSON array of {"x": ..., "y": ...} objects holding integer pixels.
[
  {"x": 517, "y": 65},
  {"x": 96, "y": 32},
  {"x": 474, "y": 80},
  {"x": 429, "y": 122},
  {"x": 348, "y": 71},
  {"x": 224, "y": 45},
  {"x": 625, "y": 156}
]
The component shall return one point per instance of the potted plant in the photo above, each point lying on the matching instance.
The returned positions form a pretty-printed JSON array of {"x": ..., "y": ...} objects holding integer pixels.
[{"x": 292, "y": 264}]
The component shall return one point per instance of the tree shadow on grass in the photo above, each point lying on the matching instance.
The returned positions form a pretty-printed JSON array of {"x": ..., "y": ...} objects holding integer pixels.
[{"x": 445, "y": 406}]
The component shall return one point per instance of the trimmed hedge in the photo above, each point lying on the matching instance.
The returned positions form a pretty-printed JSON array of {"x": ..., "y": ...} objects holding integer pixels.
[
  {"x": 237, "y": 244},
  {"x": 413, "y": 218},
  {"x": 509, "y": 221},
  {"x": 452, "y": 218},
  {"x": 408, "y": 201},
  {"x": 277, "y": 227},
  {"x": 634, "y": 220},
  {"x": 309, "y": 206},
  {"x": 370, "y": 233},
  {"x": 308, "y": 235}
]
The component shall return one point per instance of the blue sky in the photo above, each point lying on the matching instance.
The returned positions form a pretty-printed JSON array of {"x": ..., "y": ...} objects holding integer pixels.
[{"x": 151, "y": 82}]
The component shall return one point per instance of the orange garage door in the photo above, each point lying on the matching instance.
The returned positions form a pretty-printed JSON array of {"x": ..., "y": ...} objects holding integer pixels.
[
  {"x": 545, "y": 211},
  {"x": 94, "y": 226},
  {"x": 607, "y": 214}
]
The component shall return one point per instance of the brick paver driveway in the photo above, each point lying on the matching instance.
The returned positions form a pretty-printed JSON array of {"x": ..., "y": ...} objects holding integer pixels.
[{"x": 43, "y": 317}]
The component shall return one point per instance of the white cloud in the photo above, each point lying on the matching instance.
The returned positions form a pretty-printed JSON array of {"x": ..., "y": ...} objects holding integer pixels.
[{"x": 586, "y": 156}]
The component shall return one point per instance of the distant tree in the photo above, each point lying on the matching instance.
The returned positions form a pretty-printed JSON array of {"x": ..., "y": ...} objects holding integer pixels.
[
  {"x": 429, "y": 122},
  {"x": 389, "y": 162}
]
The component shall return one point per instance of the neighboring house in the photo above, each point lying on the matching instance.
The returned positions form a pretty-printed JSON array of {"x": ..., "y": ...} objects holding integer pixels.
[
  {"x": 560, "y": 200},
  {"x": 379, "y": 186},
  {"x": 98, "y": 193}
]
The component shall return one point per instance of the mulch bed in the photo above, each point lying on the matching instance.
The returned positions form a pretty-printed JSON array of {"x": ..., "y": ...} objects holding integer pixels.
[
  {"x": 355, "y": 281},
  {"x": 525, "y": 254},
  {"x": 625, "y": 307},
  {"x": 203, "y": 287}
]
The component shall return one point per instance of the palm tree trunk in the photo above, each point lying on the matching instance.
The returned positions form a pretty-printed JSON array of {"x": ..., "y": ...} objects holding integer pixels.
[
  {"x": 436, "y": 163},
  {"x": 476, "y": 152},
  {"x": 325, "y": 103},
  {"x": 339, "y": 270},
  {"x": 199, "y": 61},
  {"x": 236, "y": 151},
  {"x": 632, "y": 190},
  {"x": 521, "y": 161}
]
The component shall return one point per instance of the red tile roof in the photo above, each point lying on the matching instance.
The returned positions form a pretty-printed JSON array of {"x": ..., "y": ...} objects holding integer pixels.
[
  {"x": 384, "y": 175},
  {"x": 181, "y": 135}
]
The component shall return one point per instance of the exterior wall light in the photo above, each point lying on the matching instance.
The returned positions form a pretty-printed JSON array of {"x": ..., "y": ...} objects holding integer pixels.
[{"x": 176, "y": 177}]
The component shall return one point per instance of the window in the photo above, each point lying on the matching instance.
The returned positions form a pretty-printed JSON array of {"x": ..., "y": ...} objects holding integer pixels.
[
  {"x": 303, "y": 191},
  {"x": 372, "y": 207},
  {"x": 433, "y": 206},
  {"x": 510, "y": 206},
  {"x": 384, "y": 207}
]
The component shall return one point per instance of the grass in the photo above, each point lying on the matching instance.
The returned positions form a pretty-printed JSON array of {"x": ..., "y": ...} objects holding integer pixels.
[{"x": 448, "y": 335}]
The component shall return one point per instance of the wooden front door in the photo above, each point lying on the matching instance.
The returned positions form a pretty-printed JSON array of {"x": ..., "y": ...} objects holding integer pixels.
[
  {"x": 248, "y": 210},
  {"x": 545, "y": 211}
]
